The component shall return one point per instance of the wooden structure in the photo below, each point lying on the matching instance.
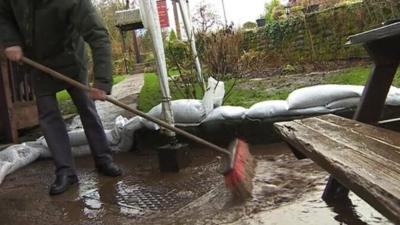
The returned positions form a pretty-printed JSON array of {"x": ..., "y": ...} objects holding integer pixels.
[
  {"x": 129, "y": 20},
  {"x": 383, "y": 45},
  {"x": 364, "y": 158},
  {"x": 18, "y": 108}
]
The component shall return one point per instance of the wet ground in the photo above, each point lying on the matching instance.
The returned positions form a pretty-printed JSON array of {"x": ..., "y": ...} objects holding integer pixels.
[{"x": 287, "y": 191}]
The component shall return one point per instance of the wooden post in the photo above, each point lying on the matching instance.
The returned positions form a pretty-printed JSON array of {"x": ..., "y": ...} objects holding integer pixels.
[
  {"x": 136, "y": 47},
  {"x": 123, "y": 36},
  {"x": 8, "y": 127}
]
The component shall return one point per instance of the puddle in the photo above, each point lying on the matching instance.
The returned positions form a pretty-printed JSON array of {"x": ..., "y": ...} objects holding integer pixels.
[{"x": 286, "y": 191}]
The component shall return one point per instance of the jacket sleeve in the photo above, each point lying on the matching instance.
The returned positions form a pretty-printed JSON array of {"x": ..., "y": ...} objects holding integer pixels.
[
  {"x": 89, "y": 25},
  {"x": 8, "y": 27}
]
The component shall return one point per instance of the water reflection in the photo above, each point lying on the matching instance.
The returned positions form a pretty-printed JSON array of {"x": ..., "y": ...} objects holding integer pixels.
[{"x": 103, "y": 195}]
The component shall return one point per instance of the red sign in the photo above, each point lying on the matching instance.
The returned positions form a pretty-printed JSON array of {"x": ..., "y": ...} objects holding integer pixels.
[{"x": 163, "y": 13}]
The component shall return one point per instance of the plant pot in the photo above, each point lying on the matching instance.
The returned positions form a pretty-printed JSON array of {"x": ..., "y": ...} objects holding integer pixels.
[{"x": 260, "y": 22}]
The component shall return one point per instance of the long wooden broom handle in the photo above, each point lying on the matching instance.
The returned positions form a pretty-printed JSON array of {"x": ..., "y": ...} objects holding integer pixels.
[{"x": 124, "y": 106}]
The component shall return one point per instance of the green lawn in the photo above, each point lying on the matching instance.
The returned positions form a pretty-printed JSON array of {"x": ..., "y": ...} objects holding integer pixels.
[
  {"x": 356, "y": 76},
  {"x": 150, "y": 95},
  {"x": 248, "y": 97}
]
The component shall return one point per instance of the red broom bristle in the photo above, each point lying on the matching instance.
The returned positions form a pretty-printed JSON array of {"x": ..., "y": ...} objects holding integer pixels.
[{"x": 240, "y": 179}]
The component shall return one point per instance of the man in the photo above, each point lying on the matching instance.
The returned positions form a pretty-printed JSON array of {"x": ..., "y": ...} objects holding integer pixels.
[{"x": 53, "y": 33}]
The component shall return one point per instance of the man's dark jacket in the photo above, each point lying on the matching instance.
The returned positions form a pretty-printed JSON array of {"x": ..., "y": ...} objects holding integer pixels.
[{"x": 53, "y": 32}]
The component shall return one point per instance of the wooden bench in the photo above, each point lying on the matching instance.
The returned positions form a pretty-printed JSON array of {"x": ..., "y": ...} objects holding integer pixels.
[{"x": 363, "y": 158}]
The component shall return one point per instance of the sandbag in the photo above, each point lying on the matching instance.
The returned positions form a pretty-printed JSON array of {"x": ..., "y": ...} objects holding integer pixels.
[
  {"x": 78, "y": 137},
  {"x": 212, "y": 96},
  {"x": 267, "y": 109},
  {"x": 127, "y": 133},
  {"x": 184, "y": 111},
  {"x": 393, "y": 97},
  {"x": 226, "y": 113},
  {"x": 219, "y": 93},
  {"x": 344, "y": 103},
  {"x": 310, "y": 111},
  {"x": 5, "y": 167},
  {"x": 321, "y": 95},
  {"x": 18, "y": 156}
]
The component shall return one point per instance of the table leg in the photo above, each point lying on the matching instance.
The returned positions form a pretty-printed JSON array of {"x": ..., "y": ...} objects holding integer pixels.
[{"x": 375, "y": 93}]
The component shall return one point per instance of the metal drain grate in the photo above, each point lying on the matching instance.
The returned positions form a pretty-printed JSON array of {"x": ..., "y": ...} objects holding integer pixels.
[
  {"x": 144, "y": 198},
  {"x": 168, "y": 197}
]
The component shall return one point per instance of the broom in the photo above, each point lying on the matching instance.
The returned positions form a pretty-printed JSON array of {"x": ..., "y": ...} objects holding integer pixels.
[{"x": 238, "y": 166}]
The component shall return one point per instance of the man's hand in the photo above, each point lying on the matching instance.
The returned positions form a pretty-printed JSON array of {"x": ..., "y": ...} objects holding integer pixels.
[
  {"x": 14, "y": 53},
  {"x": 97, "y": 94}
]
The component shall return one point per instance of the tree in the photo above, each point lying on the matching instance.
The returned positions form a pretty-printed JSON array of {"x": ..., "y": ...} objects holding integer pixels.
[{"x": 205, "y": 17}]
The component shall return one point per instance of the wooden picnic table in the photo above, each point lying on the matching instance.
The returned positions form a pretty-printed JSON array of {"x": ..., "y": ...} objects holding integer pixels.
[{"x": 383, "y": 46}]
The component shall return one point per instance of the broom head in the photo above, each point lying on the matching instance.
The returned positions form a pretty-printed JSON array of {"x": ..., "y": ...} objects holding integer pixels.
[{"x": 239, "y": 170}]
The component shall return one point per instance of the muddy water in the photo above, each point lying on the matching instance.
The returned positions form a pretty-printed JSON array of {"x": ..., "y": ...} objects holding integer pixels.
[{"x": 287, "y": 191}]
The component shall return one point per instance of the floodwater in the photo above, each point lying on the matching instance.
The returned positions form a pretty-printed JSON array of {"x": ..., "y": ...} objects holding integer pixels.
[{"x": 286, "y": 191}]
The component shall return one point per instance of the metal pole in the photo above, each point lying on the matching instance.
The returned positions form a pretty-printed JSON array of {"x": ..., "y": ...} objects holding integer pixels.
[
  {"x": 190, "y": 35},
  {"x": 148, "y": 9},
  {"x": 176, "y": 17},
  {"x": 223, "y": 8}
]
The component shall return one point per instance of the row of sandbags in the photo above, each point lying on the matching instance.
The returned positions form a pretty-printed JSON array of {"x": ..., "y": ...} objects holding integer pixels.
[{"x": 314, "y": 100}]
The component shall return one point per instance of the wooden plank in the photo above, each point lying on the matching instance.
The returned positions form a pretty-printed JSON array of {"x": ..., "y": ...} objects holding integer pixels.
[
  {"x": 375, "y": 34},
  {"x": 359, "y": 141},
  {"x": 373, "y": 152},
  {"x": 385, "y": 135},
  {"x": 352, "y": 158}
]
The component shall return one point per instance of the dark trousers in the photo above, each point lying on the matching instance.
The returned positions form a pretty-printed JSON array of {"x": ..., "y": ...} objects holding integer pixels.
[{"x": 55, "y": 131}]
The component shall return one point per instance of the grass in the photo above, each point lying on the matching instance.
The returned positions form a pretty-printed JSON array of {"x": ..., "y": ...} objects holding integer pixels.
[
  {"x": 356, "y": 76},
  {"x": 248, "y": 97},
  {"x": 150, "y": 95},
  {"x": 65, "y": 102}
]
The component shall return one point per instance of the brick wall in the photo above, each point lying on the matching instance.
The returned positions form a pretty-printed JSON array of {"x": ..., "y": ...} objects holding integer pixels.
[{"x": 321, "y": 36}]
